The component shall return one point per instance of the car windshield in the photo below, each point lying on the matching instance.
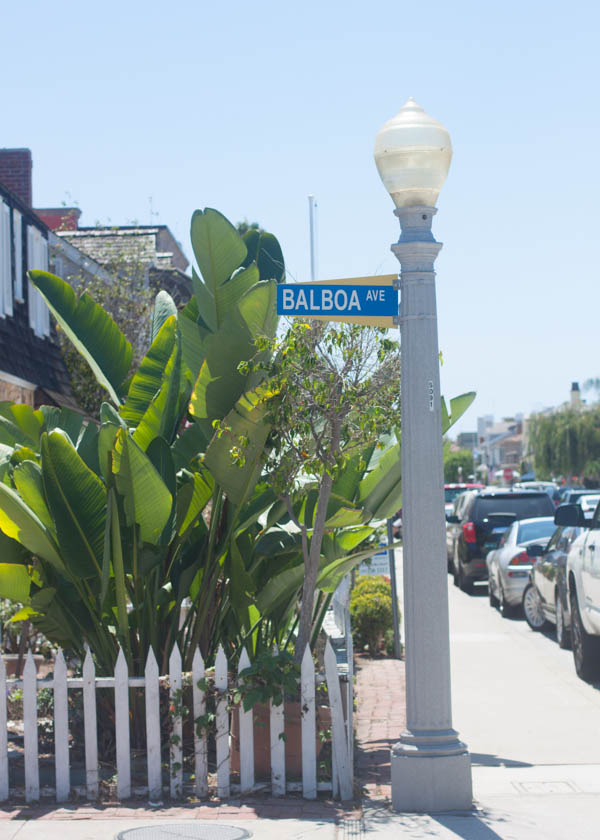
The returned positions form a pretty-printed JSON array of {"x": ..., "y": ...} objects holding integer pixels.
[
  {"x": 451, "y": 493},
  {"x": 524, "y": 507},
  {"x": 535, "y": 530}
]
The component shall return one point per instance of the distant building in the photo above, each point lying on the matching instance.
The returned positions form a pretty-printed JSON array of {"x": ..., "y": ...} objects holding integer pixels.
[
  {"x": 31, "y": 365},
  {"x": 467, "y": 440},
  {"x": 500, "y": 445},
  {"x": 149, "y": 252}
]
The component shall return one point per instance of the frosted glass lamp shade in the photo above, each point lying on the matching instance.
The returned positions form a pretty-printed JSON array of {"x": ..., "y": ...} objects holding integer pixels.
[{"x": 413, "y": 153}]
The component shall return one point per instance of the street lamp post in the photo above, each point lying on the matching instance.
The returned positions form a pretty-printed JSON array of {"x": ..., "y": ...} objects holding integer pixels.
[{"x": 431, "y": 767}]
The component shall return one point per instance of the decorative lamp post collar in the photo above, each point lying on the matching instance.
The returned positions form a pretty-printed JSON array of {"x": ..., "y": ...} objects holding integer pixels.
[{"x": 413, "y": 153}]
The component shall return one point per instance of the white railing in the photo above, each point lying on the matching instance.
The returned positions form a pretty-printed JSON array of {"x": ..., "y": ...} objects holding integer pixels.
[{"x": 121, "y": 682}]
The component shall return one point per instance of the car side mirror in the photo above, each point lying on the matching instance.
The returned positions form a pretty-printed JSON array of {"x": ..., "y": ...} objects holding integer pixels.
[
  {"x": 535, "y": 550},
  {"x": 452, "y": 518},
  {"x": 570, "y": 516}
]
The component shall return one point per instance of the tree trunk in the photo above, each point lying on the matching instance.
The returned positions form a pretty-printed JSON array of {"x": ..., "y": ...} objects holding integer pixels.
[{"x": 311, "y": 562}]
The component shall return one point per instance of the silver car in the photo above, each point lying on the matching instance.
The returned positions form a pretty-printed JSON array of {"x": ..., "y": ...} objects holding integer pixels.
[{"x": 509, "y": 564}]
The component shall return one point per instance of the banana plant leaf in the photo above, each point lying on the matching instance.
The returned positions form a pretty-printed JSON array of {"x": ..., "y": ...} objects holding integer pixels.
[
  {"x": 27, "y": 477},
  {"x": 219, "y": 250},
  {"x": 148, "y": 378},
  {"x": 229, "y": 294},
  {"x": 13, "y": 552},
  {"x": 164, "y": 308},
  {"x": 19, "y": 522},
  {"x": 77, "y": 501},
  {"x": 286, "y": 585},
  {"x": 200, "y": 491},
  {"x": 380, "y": 492},
  {"x": 66, "y": 419},
  {"x": 246, "y": 421},
  {"x": 15, "y": 582},
  {"x": 163, "y": 415},
  {"x": 91, "y": 330},
  {"x": 146, "y": 497},
  {"x": 332, "y": 575},
  {"x": 20, "y": 424},
  {"x": 219, "y": 384},
  {"x": 265, "y": 251},
  {"x": 458, "y": 406}
]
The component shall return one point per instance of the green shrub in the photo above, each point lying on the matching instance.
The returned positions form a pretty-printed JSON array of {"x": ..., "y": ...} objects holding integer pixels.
[
  {"x": 370, "y": 612},
  {"x": 371, "y": 584}
]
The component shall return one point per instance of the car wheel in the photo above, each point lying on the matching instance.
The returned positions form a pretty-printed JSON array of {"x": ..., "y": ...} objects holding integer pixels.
[
  {"x": 464, "y": 583},
  {"x": 494, "y": 602},
  {"x": 455, "y": 566},
  {"x": 563, "y": 636},
  {"x": 586, "y": 653},
  {"x": 532, "y": 608},
  {"x": 506, "y": 609}
]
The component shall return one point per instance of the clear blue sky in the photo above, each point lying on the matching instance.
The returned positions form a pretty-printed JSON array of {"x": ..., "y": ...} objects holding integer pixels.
[{"x": 248, "y": 108}]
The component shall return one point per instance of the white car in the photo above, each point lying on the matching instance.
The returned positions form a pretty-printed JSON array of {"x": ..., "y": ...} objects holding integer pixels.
[
  {"x": 588, "y": 504},
  {"x": 509, "y": 564},
  {"x": 583, "y": 582}
]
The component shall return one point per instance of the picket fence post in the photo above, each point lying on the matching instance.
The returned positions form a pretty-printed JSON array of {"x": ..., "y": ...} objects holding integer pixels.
[
  {"x": 3, "y": 733},
  {"x": 341, "y": 777},
  {"x": 90, "y": 725},
  {"x": 153, "y": 727},
  {"x": 222, "y": 720},
  {"x": 122, "y": 727},
  {"x": 30, "y": 724},
  {"x": 176, "y": 705},
  {"x": 309, "y": 726},
  {"x": 199, "y": 704},
  {"x": 277, "y": 727},
  {"x": 61, "y": 729},
  {"x": 246, "y": 736}
]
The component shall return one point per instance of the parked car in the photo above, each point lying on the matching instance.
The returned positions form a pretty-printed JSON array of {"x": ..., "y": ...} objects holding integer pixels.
[
  {"x": 588, "y": 503},
  {"x": 583, "y": 586},
  {"x": 548, "y": 487},
  {"x": 481, "y": 523},
  {"x": 545, "y": 598},
  {"x": 572, "y": 496},
  {"x": 452, "y": 491},
  {"x": 509, "y": 564},
  {"x": 453, "y": 521}
]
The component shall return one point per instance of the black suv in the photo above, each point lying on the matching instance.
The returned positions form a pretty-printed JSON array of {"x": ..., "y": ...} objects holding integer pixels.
[{"x": 481, "y": 524}]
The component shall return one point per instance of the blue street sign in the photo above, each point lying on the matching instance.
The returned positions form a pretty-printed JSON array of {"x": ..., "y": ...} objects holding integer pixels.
[{"x": 326, "y": 300}]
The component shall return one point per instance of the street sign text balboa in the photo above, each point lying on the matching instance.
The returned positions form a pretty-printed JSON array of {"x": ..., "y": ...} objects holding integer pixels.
[{"x": 322, "y": 299}]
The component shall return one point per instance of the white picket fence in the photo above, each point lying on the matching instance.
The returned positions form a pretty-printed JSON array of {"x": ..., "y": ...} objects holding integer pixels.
[{"x": 341, "y": 784}]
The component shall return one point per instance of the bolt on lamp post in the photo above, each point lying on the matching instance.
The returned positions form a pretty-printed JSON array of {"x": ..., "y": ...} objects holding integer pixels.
[{"x": 431, "y": 767}]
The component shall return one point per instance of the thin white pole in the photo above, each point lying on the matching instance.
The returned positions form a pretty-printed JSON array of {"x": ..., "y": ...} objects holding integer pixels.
[{"x": 312, "y": 206}]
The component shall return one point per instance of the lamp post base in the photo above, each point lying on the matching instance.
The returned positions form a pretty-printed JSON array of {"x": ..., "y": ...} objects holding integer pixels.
[{"x": 431, "y": 773}]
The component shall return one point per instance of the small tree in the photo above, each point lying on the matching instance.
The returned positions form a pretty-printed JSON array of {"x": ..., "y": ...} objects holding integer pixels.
[
  {"x": 454, "y": 461},
  {"x": 334, "y": 390}
]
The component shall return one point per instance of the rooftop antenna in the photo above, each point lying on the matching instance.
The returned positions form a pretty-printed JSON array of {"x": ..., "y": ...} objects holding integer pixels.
[
  {"x": 153, "y": 212},
  {"x": 312, "y": 208}
]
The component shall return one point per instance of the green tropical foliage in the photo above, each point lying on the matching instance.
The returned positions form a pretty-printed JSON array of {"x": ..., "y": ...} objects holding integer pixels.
[
  {"x": 567, "y": 443},
  {"x": 115, "y": 530},
  {"x": 163, "y": 522}
]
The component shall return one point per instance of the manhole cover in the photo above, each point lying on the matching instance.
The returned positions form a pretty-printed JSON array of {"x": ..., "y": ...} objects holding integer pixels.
[
  {"x": 193, "y": 832},
  {"x": 545, "y": 787}
]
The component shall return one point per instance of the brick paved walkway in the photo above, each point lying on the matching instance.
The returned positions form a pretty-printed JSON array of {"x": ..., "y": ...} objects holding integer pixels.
[
  {"x": 248, "y": 808},
  {"x": 380, "y": 718}
]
